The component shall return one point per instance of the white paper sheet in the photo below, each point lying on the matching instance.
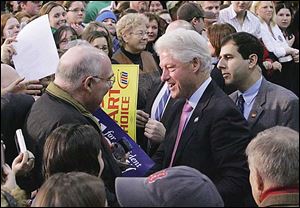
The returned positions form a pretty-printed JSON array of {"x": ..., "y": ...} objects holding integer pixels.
[{"x": 37, "y": 55}]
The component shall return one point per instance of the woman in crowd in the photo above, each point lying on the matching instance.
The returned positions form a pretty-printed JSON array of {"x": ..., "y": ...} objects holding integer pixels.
[
  {"x": 57, "y": 14},
  {"x": 75, "y": 147},
  {"x": 109, "y": 19},
  {"x": 100, "y": 40},
  {"x": 283, "y": 19},
  {"x": 10, "y": 26},
  {"x": 23, "y": 18},
  {"x": 132, "y": 34},
  {"x": 75, "y": 14},
  {"x": 215, "y": 33},
  {"x": 63, "y": 36},
  {"x": 94, "y": 26},
  {"x": 156, "y": 6},
  {"x": 155, "y": 29},
  {"x": 278, "y": 47},
  {"x": 74, "y": 189}
]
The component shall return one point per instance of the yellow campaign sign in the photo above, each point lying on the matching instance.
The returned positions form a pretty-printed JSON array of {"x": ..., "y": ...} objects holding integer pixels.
[{"x": 120, "y": 103}]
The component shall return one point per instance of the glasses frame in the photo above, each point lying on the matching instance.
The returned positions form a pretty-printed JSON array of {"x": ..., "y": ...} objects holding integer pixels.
[
  {"x": 140, "y": 34},
  {"x": 110, "y": 80},
  {"x": 76, "y": 10}
]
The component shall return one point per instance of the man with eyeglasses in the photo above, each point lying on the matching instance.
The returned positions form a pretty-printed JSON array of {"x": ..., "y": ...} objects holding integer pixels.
[
  {"x": 83, "y": 77},
  {"x": 30, "y": 7}
]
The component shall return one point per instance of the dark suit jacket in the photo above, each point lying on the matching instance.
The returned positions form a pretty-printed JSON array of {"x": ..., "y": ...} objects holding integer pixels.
[
  {"x": 213, "y": 142},
  {"x": 273, "y": 105}
]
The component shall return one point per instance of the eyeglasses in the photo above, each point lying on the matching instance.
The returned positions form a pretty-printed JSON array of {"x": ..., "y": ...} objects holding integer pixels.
[
  {"x": 111, "y": 80},
  {"x": 77, "y": 10},
  {"x": 140, "y": 33}
]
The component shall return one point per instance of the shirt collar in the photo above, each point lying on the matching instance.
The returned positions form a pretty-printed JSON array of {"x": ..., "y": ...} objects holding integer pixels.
[
  {"x": 232, "y": 13},
  {"x": 194, "y": 99},
  {"x": 250, "y": 94}
]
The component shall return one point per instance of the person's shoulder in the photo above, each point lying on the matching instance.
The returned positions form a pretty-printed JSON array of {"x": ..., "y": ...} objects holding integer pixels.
[
  {"x": 279, "y": 93},
  {"x": 219, "y": 97},
  {"x": 13, "y": 98},
  {"x": 225, "y": 10},
  {"x": 253, "y": 17}
]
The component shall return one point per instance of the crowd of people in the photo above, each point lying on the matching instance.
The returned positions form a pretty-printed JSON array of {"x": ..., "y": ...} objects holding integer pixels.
[{"x": 217, "y": 104}]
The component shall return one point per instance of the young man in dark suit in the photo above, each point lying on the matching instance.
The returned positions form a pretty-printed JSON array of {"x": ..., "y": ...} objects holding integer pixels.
[{"x": 265, "y": 104}]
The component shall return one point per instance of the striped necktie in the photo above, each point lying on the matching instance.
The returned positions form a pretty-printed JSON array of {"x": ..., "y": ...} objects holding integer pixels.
[{"x": 161, "y": 105}]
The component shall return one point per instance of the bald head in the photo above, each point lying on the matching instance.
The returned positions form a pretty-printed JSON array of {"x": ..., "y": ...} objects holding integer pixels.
[
  {"x": 179, "y": 24},
  {"x": 79, "y": 62},
  {"x": 8, "y": 75}
]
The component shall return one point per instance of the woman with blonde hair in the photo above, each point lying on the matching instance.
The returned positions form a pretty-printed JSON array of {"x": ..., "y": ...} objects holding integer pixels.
[
  {"x": 10, "y": 26},
  {"x": 56, "y": 14},
  {"x": 278, "y": 47},
  {"x": 133, "y": 38}
]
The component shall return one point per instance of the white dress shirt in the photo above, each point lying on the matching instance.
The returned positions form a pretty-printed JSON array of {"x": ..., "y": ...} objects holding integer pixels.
[{"x": 250, "y": 25}]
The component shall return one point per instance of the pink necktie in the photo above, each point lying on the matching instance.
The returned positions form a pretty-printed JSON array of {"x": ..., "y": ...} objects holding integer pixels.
[{"x": 187, "y": 108}]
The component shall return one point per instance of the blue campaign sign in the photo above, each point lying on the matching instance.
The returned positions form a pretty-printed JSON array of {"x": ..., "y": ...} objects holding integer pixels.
[{"x": 138, "y": 160}]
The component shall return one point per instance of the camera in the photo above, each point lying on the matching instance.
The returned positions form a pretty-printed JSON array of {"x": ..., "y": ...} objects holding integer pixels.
[{"x": 120, "y": 151}]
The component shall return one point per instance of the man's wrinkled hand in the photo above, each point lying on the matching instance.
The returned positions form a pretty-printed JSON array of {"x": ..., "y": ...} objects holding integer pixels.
[{"x": 155, "y": 131}]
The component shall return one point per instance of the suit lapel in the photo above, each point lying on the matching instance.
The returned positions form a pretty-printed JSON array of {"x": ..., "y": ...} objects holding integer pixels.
[
  {"x": 258, "y": 104},
  {"x": 196, "y": 117}
]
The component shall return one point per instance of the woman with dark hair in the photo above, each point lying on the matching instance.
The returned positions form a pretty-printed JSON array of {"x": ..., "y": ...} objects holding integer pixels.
[
  {"x": 63, "y": 36},
  {"x": 74, "y": 189},
  {"x": 215, "y": 34},
  {"x": 284, "y": 16},
  {"x": 100, "y": 40},
  {"x": 156, "y": 6},
  {"x": 73, "y": 147},
  {"x": 155, "y": 29}
]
